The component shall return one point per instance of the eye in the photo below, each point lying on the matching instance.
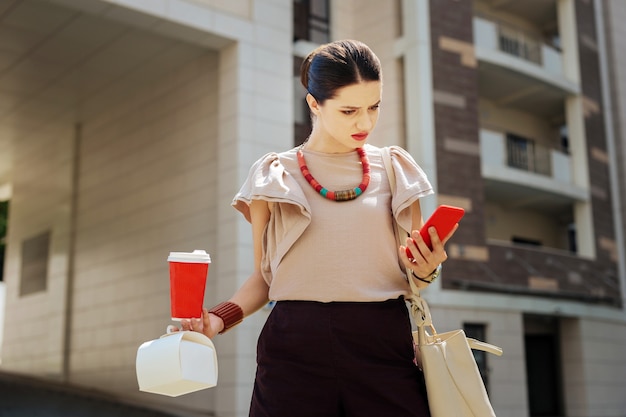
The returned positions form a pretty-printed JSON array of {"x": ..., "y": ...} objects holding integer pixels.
[
  {"x": 348, "y": 112},
  {"x": 375, "y": 107}
]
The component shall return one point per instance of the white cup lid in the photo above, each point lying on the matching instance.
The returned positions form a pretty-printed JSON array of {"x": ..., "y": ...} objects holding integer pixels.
[{"x": 198, "y": 256}]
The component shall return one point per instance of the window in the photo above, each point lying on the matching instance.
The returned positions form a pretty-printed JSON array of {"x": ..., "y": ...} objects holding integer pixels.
[
  {"x": 520, "y": 152},
  {"x": 35, "y": 252},
  {"x": 542, "y": 353},
  {"x": 564, "y": 136},
  {"x": 525, "y": 241},
  {"x": 302, "y": 116},
  {"x": 572, "y": 238},
  {"x": 311, "y": 21},
  {"x": 4, "y": 219},
  {"x": 478, "y": 331}
]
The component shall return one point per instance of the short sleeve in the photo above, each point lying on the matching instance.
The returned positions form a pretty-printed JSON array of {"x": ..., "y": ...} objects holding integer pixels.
[
  {"x": 268, "y": 180},
  {"x": 411, "y": 185}
]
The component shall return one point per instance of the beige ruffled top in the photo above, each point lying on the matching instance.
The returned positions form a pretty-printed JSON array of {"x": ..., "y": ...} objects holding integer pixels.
[{"x": 321, "y": 250}]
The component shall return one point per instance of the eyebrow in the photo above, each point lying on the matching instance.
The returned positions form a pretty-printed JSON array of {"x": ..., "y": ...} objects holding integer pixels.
[{"x": 356, "y": 108}]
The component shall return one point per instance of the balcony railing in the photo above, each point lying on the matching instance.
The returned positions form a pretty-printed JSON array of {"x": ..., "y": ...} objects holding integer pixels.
[
  {"x": 527, "y": 155},
  {"x": 504, "y": 38},
  {"x": 499, "y": 150},
  {"x": 517, "y": 43}
]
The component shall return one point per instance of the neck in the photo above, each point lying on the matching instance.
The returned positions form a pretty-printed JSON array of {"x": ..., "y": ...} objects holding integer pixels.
[{"x": 318, "y": 143}]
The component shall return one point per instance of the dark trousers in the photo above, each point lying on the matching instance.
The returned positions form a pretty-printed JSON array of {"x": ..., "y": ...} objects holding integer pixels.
[{"x": 340, "y": 359}]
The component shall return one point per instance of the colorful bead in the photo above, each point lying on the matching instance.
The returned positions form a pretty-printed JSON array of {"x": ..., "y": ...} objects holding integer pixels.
[{"x": 342, "y": 195}]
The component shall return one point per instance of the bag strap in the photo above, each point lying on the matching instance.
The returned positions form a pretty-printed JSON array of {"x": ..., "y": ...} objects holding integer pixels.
[
  {"x": 397, "y": 230},
  {"x": 487, "y": 347},
  {"x": 419, "y": 307},
  {"x": 386, "y": 154}
]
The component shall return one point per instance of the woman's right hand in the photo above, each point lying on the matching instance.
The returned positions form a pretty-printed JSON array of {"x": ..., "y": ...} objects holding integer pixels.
[
  {"x": 209, "y": 325},
  {"x": 253, "y": 294}
]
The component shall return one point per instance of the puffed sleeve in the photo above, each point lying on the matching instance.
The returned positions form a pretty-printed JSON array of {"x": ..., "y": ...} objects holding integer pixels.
[
  {"x": 268, "y": 180},
  {"x": 411, "y": 185},
  {"x": 290, "y": 214}
]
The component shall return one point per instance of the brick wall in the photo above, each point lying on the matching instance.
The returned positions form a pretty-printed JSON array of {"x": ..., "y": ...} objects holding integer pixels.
[
  {"x": 455, "y": 86},
  {"x": 474, "y": 263}
]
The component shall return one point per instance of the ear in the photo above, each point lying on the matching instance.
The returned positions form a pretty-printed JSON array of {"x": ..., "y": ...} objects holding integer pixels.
[{"x": 314, "y": 106}]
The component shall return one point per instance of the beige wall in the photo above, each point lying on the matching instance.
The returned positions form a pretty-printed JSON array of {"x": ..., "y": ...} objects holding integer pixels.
[
  {"x": 161, "y": 157},
  {"x": 239, "y": 8},
  {"x": 40, "y": 202},
  {"x": 147, "y": 181},
  {"x": 593, "y": 367},
  {"x": 148, "y": 175},
  {"x": 484, "y": 8},
  {"x": 615, "y": 15},
  {"x": 503, "y": 223},
  {"x": 508, "y": 120}
]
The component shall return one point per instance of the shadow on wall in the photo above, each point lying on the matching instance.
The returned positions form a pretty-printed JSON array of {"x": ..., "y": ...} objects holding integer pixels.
[
  {"x": 22, "y": 396},
  {"x": 2, "y": 307}
]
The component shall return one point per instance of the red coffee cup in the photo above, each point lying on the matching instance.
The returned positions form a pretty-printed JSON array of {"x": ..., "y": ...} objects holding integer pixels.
[{"x": 188, "y": 274}]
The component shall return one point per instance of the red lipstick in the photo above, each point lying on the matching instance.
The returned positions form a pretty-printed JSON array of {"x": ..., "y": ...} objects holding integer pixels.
[{"x": 360, "y": 136}]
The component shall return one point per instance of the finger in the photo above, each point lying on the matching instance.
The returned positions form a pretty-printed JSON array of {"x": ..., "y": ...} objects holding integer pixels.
[
  {"x": 418, "y": 265},
  {"x": 422, "y": 247},
  {"x": 404, "y": 257},
  {"x": 410, "y": 248},
  {"x": 456, "y": 226},
  {"x": 206, "y": 323},
  {"x": 205, "y": 317},
  {"x": 434, "y": 239},
  {"x": 196, "y": 325},
  {"x": 438, "y": 253}
]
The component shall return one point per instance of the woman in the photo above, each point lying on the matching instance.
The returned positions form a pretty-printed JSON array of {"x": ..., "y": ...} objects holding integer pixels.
[{"x": 338, "y": 341}]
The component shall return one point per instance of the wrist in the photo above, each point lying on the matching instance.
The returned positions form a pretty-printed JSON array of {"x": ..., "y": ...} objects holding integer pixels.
[
  {"x": 230, "y": 313},
  {"x": 430, "y": 278}
]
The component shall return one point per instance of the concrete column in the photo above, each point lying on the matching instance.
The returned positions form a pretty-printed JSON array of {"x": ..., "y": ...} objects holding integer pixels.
[
  {"x": 415, "y": 47},
  {"x": 255, "y": 117}
]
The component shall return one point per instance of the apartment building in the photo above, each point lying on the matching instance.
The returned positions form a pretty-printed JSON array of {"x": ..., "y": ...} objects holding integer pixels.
[{"x": 128, "y": 125}]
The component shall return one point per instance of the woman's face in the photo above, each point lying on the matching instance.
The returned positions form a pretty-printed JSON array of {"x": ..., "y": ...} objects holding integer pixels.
[{"x": 344, "y": 122}]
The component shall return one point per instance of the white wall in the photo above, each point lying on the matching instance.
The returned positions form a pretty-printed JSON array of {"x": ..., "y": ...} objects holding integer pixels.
[
  {"x": 379, "y": 28},
  {"x": 593, "y": 367}
]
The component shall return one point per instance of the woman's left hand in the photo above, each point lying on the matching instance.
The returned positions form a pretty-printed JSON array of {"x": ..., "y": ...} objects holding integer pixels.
[{"x": 425, "y": 260}]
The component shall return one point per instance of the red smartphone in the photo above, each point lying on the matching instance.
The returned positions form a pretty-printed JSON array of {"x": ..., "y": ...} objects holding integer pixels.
[{"x": 443, "y": 219}]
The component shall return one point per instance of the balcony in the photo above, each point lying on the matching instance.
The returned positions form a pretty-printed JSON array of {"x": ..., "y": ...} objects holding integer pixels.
[
  {"x": 517, "y": 69},
  {"x": 503, "y": 38},
  {"x": 522, "y": 172}
]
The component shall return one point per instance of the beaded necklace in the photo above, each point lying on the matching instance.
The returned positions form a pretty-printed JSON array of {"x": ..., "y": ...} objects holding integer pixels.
[{"x": 342, "y": 195}]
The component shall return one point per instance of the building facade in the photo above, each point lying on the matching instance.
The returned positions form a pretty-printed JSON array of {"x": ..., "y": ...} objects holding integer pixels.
[{"x": 128, "y": 125}]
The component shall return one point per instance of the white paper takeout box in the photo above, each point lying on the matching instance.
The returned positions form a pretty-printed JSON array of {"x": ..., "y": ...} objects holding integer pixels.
[{"x": 177, "y": 363}]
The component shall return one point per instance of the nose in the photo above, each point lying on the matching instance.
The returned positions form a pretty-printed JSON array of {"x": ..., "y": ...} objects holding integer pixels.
[{"x": 365, "y": 122}]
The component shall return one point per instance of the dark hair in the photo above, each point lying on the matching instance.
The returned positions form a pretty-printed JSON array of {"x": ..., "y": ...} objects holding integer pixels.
[{"x": 336, "y": 65}]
